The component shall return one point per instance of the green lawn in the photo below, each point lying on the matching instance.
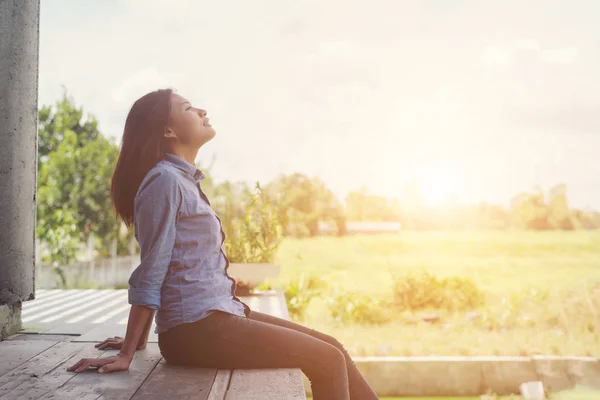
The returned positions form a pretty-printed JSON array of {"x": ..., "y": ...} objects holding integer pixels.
[
  {"x": 575, "y": 394},
  {"x": 435, "y": 398},
  {"x": 443, "y": 398},
  {"x": 512, "y": 268}
]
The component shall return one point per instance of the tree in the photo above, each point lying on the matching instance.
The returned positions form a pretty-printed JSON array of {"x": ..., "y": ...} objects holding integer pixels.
[
  {"x": 529, "y": 210},
  {"x": 559, "y": 214},
  {"x": 303, "y": 202},
  {"x": 75, "y": 164},
  {"x": 363, "y": 206}
]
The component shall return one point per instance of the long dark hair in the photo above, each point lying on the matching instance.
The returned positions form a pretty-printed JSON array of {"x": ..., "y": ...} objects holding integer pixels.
[{"x": 142, "y": 146}]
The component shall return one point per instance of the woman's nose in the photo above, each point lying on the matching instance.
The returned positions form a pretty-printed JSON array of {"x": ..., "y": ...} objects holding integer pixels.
[{"x": 202, "y": 112}]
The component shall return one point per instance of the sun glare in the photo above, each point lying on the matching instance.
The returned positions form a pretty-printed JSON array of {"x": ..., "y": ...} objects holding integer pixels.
[{"x": 440, "y": 183}]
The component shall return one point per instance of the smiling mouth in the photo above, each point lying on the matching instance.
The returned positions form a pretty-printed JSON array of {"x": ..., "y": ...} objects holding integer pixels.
[{"x": 207, "y": 123}]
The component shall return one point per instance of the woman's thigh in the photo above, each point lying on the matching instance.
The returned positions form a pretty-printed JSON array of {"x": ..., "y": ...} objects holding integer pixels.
[
  {"x": 272, "y": 320},
  {"x": 229, "y": 341}
]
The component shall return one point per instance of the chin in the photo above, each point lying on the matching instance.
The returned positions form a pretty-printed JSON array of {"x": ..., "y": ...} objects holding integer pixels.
[
  {"x": 212, "y": 133},
  {"x": 207, "y": 136}
]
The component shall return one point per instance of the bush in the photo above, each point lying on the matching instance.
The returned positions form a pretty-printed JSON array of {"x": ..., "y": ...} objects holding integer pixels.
[
  {"x": 552, "y": 311},
  {"x": 426, "y": 291},
  {"x": 255, "y": 235},
  {"x": 298, "y": 294},
  {"x": 357, "y": 308}
]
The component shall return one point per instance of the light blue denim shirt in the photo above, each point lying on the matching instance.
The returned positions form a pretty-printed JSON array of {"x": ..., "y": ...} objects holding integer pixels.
[{"x": 183, "y": 269}]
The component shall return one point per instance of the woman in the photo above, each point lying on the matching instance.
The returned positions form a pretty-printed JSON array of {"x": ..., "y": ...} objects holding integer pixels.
[{"x": 182, "y": 277}]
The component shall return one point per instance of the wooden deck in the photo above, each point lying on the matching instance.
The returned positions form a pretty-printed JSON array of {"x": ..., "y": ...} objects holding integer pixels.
[{"x": 59, "y": 327}]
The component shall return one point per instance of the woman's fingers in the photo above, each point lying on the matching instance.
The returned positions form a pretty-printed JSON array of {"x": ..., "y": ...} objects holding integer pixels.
[
  {"x": 110, "y": 367},
  {"x": 85, "y": 363},
  {"x": 98, "y": 362},
  {"x": 81, "y": 365},
  {"x": 117, "y": 363},
  {"x": 108, "y": 343},
  {"x": 76, "y": 365}
]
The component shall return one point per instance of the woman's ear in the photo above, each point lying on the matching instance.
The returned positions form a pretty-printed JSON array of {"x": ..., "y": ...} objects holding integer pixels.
[{"x": 169, "y": 133}]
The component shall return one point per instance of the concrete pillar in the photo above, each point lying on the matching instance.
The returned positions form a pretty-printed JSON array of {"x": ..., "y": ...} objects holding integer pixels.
[{"x": 19, "y": 42}]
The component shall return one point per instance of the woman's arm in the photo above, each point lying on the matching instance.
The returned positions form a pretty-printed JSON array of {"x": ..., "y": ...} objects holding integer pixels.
[
  {"x": 143, "y": 341},
  {"x": 138, "y": 329},
  {"x": 117, "y": 342},
  {"x": 155, "y": 210}
]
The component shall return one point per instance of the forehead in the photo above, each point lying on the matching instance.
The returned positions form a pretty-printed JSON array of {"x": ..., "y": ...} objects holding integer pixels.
[{"x": 177, "y": 100}]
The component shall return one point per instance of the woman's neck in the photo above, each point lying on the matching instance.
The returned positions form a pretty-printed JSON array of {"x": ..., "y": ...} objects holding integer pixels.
[{"x": 188, "y": 154}]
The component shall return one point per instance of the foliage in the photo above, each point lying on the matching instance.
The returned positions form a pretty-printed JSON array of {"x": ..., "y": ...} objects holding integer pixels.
[
  {"x": 254, "y": 234},
  {"x": 75, "y": 163},
  {"x": 541, "y": 290},
  {"x": 425, "y": 291},
  {"x": 300, "y": 291},
  {"x": 562, "y": 311},
  {"x": 303, "y": 202},
  {"x": 533, "y": 210},
  {"x": 348, "y": 306},
  {"x": 363, "y": 206}
]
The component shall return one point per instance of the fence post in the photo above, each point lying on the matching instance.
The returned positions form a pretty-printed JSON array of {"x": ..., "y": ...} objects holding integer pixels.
[
  {"x": 90, "y": 249},
  {"x": 37, "y": 265},
  {"x": 113, "y": 262}
]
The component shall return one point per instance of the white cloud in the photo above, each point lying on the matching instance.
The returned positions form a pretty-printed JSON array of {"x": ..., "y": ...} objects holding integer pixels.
[
  {"x": 568, "y": 55},
  {"x": 502, "y": 57}
]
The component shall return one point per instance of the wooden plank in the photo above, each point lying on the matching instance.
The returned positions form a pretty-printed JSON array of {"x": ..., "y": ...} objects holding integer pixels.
[
  {"x": 79, "y": 329},
  {"x": 99, "y": 333},
  {"x": 44, "y": 372},
  {"x": 36, "y": 327},
  {"x": 259, "y": 384},
  {"x": 14, "y": 353},
  {"x": 220, "y": 385},
  {"x": 169, "y": 381},
  {"x": 112, "y": 386},
  {"x": 40, "y": 336}
]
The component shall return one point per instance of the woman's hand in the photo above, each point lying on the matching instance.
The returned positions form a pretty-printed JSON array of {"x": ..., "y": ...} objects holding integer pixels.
[
  {"x": 105, "y": 364},
  {"x": 116, "y": 342}
]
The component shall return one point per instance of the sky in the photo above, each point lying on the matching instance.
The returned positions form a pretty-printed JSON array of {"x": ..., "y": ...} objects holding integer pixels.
[{"x": 475, "y": 99}]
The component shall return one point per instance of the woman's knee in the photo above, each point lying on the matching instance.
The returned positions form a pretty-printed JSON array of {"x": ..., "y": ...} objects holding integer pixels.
[
  {"x": 331, "y": 364},
  {"x": 332, "y": 341}
]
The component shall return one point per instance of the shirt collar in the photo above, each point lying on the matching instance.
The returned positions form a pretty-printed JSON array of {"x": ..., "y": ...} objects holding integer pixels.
[{"x": 185, "y": 166}]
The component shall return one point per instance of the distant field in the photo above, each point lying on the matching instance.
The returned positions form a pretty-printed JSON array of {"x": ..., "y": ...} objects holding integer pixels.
[
  {"x": 502, "y": 264},
  {"x": 567, "y": 395}
]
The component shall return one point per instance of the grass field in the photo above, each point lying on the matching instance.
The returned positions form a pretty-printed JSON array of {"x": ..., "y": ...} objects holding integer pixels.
[
  {"x": 566, "y": 395},
  {"x": 513, "y": 269}
]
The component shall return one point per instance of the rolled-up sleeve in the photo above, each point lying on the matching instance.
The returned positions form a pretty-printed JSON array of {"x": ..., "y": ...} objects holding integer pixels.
[{"x": 155, "y": 214}]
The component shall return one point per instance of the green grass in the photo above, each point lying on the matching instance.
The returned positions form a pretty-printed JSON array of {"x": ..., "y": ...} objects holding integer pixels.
[
  {"x": 505, "y": 265},
  {"x": 427, "y": 398},
  {"x": 442, "y": 398},
  {"x": 575, "y": 394}
]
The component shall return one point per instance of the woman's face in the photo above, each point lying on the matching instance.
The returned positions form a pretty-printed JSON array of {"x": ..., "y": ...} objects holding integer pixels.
[{"x": 188, "y": 124}]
